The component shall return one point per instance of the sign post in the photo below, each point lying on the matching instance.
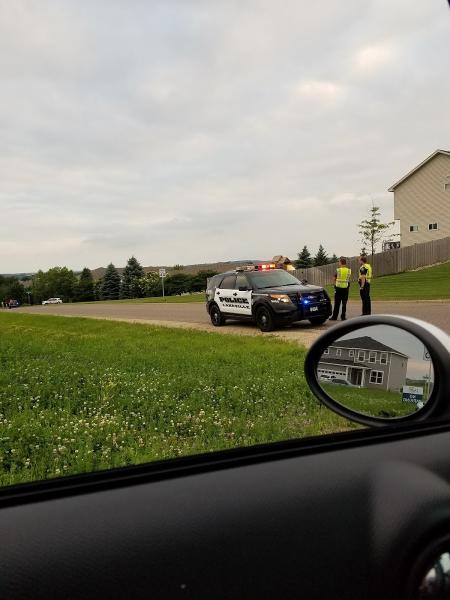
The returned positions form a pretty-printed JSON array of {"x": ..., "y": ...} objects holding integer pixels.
[
  {"x": 412, "y": 393},
  {"x": 162, "y": 274}
]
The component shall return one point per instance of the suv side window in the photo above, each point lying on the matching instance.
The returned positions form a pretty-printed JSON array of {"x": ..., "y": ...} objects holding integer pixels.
[
  {"x": 228, "y": 283},
  {"x": 241, "y": 281},
  {"x": 214, "y": 281}
]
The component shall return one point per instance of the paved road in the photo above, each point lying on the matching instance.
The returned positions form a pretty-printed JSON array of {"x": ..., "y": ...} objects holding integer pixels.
[{"x": 194, "y": 315}]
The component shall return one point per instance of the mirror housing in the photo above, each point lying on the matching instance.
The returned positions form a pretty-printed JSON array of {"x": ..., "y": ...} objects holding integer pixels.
[{"x": 433, "y": 338}]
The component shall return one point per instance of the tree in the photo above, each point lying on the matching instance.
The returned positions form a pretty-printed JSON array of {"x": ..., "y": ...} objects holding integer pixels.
[
  {"x": 98, "y": 289},
  {"x": 304, "y": 260},
  {"x": 333, "y": 259},
  {"x": 321, "y": 257},
  {"x": 132, "y": 274},
  {"x": 150, "y": 284},
  {"x": 372, "y": 230},
  {"x": 198, "y": 281},
  {"x": 110, "y": 289},
  {"x": 178, "y": 283},
  {"x": 56, "y": 282},
  {"x": 85, "y": 286},
  {"x": 11, "y": 289}
]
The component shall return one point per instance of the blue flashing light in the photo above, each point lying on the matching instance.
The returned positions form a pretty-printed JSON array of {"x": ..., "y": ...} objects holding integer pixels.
[{"x": 305, "y": 301}]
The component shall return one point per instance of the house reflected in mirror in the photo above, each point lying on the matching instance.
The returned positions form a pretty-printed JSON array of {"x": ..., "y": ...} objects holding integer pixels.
[{"x": 379, "y": 370}]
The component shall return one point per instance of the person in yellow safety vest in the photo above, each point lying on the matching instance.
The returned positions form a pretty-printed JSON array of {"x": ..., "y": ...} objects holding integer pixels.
[
  {"x": 341, "y": 289},
  {"x": 365, "y": 277}
]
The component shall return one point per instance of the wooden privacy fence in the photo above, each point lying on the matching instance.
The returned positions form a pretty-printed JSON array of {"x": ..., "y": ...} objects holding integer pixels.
[{"x": 385, "y": 263}]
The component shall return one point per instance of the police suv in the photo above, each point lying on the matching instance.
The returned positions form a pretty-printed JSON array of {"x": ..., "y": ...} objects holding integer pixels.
[{"x": 267, "y": 295}]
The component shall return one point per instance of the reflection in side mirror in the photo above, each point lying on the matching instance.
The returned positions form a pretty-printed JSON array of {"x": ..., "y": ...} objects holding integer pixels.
[{"x": 377, "y": 371}]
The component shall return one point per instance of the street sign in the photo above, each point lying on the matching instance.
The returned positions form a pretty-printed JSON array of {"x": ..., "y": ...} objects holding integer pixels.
[
  {"x": 412, "y": 393},
  {"x": 162, "y": 273}
]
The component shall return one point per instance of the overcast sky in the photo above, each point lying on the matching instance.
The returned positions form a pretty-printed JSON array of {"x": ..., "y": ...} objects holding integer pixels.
[{"x": 195, "y": 131}]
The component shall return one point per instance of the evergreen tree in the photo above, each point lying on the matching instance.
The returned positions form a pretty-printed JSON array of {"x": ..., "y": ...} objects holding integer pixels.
[
  {"x": 85, "y": 287},
  {"x": 333, "y": 259},
  {"x": 110, "y": 289},
  {"x": 131, "y": 280},
  {"x": 321, "y": 257},
  {"x": 304, "y": 260}
]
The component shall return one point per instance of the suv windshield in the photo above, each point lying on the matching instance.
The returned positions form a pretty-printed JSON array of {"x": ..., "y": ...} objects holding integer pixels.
[{"x": 269, "y": 279}]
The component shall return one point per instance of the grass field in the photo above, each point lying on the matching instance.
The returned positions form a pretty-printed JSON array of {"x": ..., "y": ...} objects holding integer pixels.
[
  {"x": 78, "y": 394},
  {"x": 432, "y": 283},
  {"x": 375, "y": 403}
]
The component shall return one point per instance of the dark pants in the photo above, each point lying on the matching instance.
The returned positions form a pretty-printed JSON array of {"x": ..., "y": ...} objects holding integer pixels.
[
  {"x": 340, "y": 295},
  {"x": 364, "y": 292}
]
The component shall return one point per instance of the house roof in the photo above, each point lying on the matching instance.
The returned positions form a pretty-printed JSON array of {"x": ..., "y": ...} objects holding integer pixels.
[
  {"x": 365, "y": 343},
  {"x": 419, "y": 166}
]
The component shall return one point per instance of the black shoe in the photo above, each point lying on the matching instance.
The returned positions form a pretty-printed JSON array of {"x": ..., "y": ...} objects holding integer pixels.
[
  {"x": 332, "y": 319},
  {"x": 343, "y": 318}
]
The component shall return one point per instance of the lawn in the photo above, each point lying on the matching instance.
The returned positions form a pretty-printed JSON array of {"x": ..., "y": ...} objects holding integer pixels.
[
  {"x": 376, "y": 403},
  {"x": 78, "y": 395},
  {"x": 431, "y": 283}
]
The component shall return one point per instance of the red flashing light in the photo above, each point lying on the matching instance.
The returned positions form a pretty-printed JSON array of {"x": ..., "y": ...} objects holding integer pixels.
[{"x": 266, "y": 266}]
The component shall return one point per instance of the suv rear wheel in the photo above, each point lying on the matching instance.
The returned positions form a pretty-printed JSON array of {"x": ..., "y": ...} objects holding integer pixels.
[
  {"x": 216, "y": 316},
  {"x": 265, "y": 319}
]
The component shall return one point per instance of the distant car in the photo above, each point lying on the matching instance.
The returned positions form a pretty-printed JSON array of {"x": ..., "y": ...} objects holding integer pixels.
[
  {"x": 13, "y": 304},
  {"x": 325, "y": 377},
  {"x": 339, "y": 381},
  {"x": 53, "y": 301}
]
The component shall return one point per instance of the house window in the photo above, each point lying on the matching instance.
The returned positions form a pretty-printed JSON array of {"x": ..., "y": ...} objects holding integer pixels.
[
  {"x": 414, "y": 228},
  {"x": 383, "y": 358},
  {"x": 338, "y": 352},
  {"x": 376, "y": 377},
  {"x": 447, "y": 187},
  {"x": 432, "y": 226},
  {"x": 351, "y": 353},
  {"x": 361, "y": 355},
  {"x": 372, "y": 357}
]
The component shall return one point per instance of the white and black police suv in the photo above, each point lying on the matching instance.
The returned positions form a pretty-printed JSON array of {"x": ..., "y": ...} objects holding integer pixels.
[{"x": 266, "y": 295}]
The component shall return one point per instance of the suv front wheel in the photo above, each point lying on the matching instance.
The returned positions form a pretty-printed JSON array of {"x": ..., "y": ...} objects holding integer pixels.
[
  {"x": 317, "y": 320},
  {"x": 216, "y": 316},
  {"x": 265, "y": 319}
]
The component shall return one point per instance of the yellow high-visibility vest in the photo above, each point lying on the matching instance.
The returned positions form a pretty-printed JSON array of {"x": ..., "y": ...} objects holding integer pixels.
[
  {"x": 343, "y": 277},
  {"x": 368, "y": 275}
]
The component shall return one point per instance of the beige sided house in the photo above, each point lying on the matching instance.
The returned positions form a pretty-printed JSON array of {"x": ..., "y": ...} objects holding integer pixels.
[{"x": 422, "y": 200}]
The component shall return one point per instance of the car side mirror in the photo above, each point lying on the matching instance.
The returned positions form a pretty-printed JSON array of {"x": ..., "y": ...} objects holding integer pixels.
[{"x": 382, "y": 370}]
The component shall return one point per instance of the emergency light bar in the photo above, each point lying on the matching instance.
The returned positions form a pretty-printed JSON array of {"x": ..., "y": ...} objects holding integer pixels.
[{"x": 260, "y": 267}]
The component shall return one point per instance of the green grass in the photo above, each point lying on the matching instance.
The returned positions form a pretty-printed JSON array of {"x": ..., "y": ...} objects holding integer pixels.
[
  {"x": 373, "y": 402},
  {"x": 431, "y": 283},
  {"x": 200, "y": 297},
  {"x": 78, "y": 395}
]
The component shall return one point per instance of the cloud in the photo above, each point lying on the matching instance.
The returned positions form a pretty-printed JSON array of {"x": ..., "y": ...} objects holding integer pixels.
[
  {"x": 320, "y": 91},
  {"x": 373, "y": 57}
]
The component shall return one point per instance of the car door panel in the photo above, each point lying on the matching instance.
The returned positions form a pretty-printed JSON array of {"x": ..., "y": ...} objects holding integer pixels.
[{"x": 326, "y": 523}]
